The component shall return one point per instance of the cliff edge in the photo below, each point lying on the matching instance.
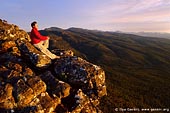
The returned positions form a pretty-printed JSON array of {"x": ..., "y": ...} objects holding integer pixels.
[{"x": 32, "y": 82}]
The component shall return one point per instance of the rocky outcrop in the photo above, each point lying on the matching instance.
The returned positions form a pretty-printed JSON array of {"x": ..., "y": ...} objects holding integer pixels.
[
  {"x": 33, "y": 55},
  {"x": 82, "y": 74},
  {"x": 32, "y": 82},
  {"x": 12, "y": 32}
]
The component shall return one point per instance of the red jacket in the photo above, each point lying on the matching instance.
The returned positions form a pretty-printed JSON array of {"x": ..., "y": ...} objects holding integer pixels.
[{"x": 36, "y": 37}]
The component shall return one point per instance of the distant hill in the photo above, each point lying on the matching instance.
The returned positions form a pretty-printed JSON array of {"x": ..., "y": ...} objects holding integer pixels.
[
  {"x": 137, "y": 68},
  {"x": 153, "y": 34}
]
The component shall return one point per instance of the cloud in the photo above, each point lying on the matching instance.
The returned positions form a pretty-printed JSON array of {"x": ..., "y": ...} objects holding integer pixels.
[{"x": 134, "y": 15}]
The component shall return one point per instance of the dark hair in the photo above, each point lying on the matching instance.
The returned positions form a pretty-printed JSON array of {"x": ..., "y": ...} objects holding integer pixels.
[{"x": 33, "y": 23}]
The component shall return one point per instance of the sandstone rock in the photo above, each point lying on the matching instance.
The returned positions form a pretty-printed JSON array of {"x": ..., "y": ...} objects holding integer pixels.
[
  {"x": 90, "y": 109},
  {"x": 48, "y": 103},
  {"x": 56, "y": 87},
  {"x": 27, "y": 72},
  {"x": 8, "y": 104},
  {"x": 12, "y": 72},
  {"x": 15, "y": 66},
  {"x": 6, "y": 98},
  {"x": 83, "y": 104},
  {"x": 28, "y": 89},
  {"x": 8, "y": 44},
  {"x": 82, "y": 74},
  {"x": 44, "y": 103},
  {"x": 37, "y": 58},
  {"x": 16, "y": 51},
  {"x": 37, "y": 85},
  {"x": 13, "y": 75},
  {"x": 12, "y": 32},
  {"x": 5, "y": 92},
  {"x": 24, "y": 94}
]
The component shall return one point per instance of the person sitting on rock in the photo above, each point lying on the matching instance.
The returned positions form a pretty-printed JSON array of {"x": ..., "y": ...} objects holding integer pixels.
[{"x": 40, "y": 42}]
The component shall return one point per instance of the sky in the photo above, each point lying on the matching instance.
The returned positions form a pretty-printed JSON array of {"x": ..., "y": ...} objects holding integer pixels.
[{"x": 106, "y": 15}]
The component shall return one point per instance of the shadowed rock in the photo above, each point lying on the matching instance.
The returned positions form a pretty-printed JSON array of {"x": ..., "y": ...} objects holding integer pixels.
[
  {"x": 55, "y": 86},
  {"x": 37, "y": 85},
  {"x": 82, "y": 74}
]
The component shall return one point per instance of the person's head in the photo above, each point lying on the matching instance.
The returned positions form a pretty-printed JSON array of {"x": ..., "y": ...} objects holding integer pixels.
[{"x": 34, "y": 24}]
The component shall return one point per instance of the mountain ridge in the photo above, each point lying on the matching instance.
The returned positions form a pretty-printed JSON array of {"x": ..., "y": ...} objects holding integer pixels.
[
  {"x": 137, "y": 67},
  {"x": 144, "y": 34}
]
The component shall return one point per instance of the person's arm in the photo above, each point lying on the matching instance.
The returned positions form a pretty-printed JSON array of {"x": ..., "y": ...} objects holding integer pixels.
[{"x": 38, "y": 35}]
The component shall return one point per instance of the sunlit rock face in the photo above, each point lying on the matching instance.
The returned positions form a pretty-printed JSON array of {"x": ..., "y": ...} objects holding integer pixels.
[{"x": 32, "y": 82}]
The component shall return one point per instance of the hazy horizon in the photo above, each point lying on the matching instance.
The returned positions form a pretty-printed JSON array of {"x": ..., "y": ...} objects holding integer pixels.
[{"x": 108, "y": 15}]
